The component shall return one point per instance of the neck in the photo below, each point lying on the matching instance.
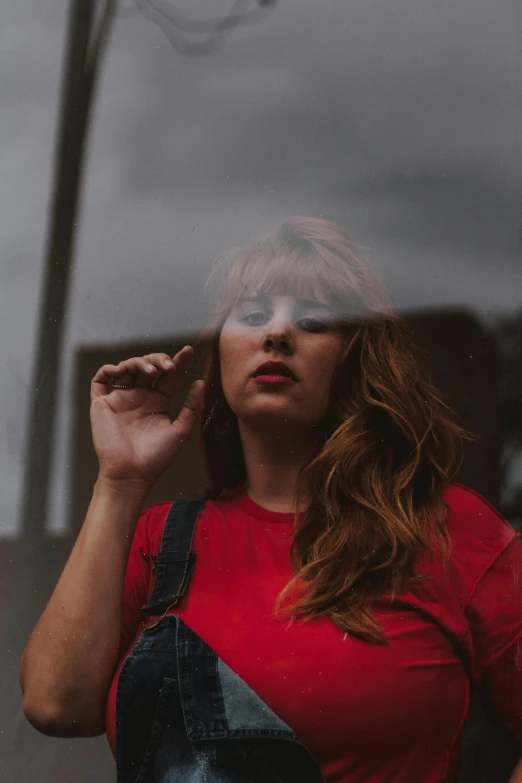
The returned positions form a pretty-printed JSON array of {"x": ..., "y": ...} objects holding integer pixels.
[{"x": 273, "y": 457}]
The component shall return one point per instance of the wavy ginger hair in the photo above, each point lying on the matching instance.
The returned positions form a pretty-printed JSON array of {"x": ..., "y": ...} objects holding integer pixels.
[{"x": 390, "y": 442}]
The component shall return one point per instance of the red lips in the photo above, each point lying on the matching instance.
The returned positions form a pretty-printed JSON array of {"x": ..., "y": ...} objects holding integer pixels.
[{"x": 274, "y": 368}]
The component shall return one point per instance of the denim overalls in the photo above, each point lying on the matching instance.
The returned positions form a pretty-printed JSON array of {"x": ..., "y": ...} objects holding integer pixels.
[{"x": 181, "y": 713}]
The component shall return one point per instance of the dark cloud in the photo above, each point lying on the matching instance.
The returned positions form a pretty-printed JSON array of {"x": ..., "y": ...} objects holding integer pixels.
[
  {"x": 400, "y": 120},
  {"x": 354, "y": 120},
  {"x": 455, "y": 208}
]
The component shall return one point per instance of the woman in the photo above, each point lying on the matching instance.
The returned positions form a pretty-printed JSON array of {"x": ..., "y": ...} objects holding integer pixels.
[{"x": 322, "y": 613}]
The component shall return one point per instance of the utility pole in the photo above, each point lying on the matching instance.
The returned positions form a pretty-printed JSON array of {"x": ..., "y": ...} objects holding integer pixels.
[
  {"x": 88, "y": 33},
  {"x": 86, "y": 38}
]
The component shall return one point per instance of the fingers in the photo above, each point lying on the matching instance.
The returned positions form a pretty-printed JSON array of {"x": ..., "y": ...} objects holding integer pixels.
[
  {"x": 167, "y": 380},
  {"x": 102, "y": 379},
  {"x": 191, "y": 410},
  {"x": 156, "y": 371}
]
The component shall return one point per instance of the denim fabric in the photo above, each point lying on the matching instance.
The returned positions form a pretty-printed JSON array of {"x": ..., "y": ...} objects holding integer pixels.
[{"x": 181, "y": 713}]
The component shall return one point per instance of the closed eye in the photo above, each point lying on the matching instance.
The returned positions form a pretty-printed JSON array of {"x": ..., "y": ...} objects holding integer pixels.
[
  {"x": 314, "y": 324},
  {"x": 247, "y": 316}
]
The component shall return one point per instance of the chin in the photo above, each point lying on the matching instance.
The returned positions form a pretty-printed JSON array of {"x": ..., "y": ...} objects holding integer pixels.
[{"x": 272, "y": 415}]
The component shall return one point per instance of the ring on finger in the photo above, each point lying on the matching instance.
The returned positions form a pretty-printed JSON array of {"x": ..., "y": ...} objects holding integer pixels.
[
  {"x": 124, "y": 385},
  {"x": 156, "y": 379}
]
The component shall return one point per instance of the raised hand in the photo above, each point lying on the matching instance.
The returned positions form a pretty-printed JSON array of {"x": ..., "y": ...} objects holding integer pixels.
[{"x": 134, "y": 438}]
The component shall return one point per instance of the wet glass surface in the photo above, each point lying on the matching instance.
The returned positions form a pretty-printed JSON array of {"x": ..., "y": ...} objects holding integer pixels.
[{"x": 210, "y": 122}]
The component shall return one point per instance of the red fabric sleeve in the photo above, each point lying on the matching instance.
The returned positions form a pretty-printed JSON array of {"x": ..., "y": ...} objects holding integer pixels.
[
  {"x": 494, "y": 615},
  {"x": 147, "y": 538}
]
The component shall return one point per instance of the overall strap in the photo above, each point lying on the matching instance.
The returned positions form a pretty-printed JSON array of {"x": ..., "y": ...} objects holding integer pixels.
[{"x": 174, "y": 562}]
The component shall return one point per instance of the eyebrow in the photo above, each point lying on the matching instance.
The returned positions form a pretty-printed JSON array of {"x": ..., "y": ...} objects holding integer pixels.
[{"x": 265, "y": 299}]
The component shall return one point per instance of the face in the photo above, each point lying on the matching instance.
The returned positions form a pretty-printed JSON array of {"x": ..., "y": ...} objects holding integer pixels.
[{"x": 299, "y": 333}]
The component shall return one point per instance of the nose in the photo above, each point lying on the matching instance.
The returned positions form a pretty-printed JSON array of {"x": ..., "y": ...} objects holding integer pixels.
[
  {"x": 279, "y": 329},
  {"x": 279, "y": 337}
]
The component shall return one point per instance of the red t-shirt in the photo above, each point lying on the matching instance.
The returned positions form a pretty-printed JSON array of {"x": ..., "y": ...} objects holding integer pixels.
[{"x": 365, "y": 711}]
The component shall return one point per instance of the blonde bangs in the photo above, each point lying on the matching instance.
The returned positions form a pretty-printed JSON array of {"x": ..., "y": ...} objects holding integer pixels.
[
  {"x": 291, "y": 271},
  {"x": 285, "y": 263}
]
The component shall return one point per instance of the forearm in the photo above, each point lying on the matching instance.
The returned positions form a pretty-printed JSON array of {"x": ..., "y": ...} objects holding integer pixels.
[{"x": 68, "y": 662}]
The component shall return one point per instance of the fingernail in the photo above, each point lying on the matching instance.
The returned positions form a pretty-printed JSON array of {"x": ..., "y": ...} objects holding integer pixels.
[
  {"x": 150, "y": 367},
  {"x": 168, "y": 363}
]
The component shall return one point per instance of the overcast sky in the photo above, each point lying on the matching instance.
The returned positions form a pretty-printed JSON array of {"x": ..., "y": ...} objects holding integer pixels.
[{"x": 402, "y": 121}]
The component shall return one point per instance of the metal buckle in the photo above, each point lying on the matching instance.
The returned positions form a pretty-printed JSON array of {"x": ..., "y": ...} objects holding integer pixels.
[{"x": 151, "y": 626}]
